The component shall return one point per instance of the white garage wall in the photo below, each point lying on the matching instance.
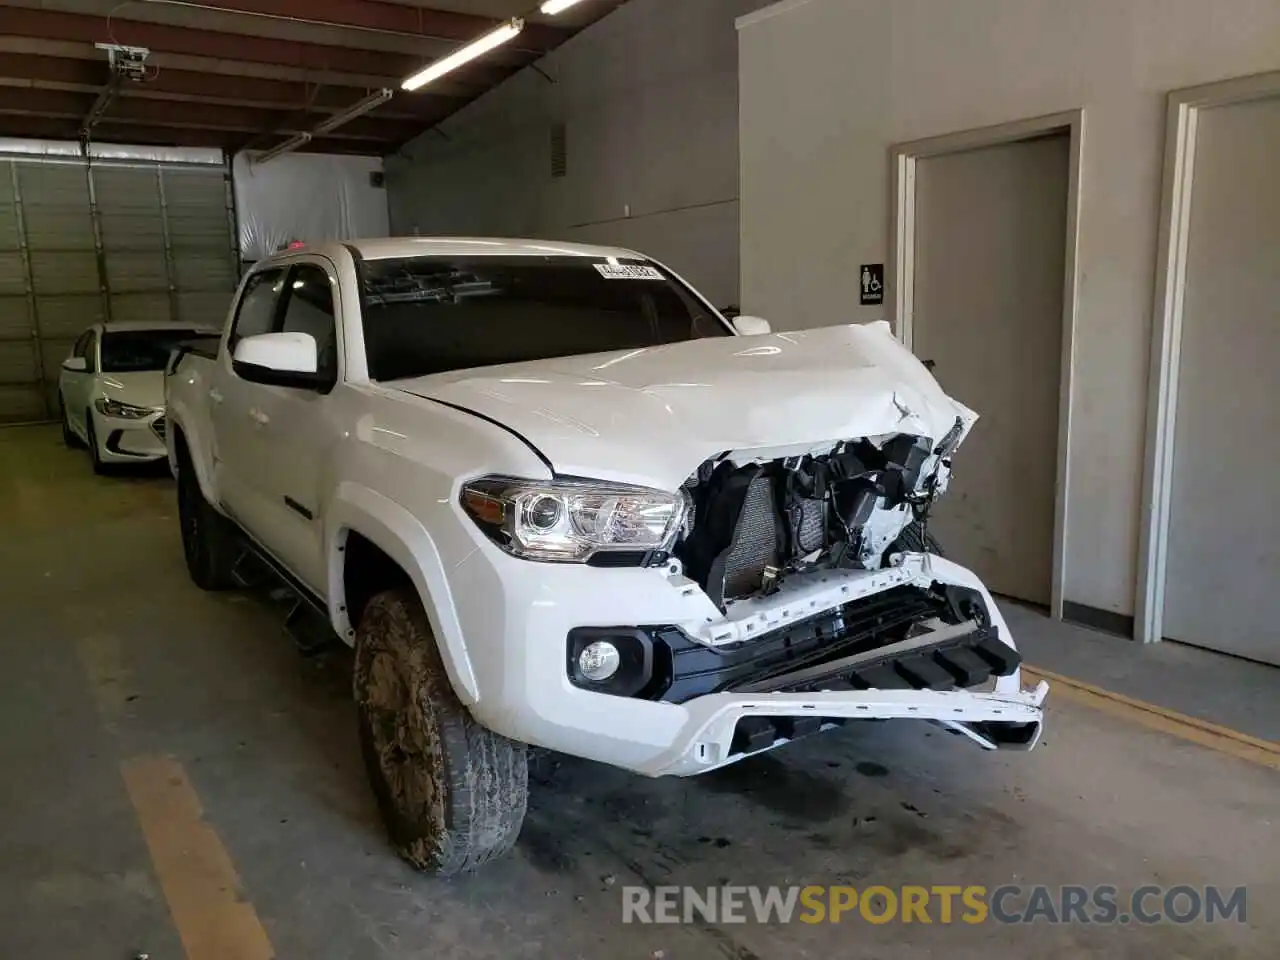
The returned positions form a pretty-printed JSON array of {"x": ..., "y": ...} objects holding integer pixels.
[
  {"x": 828, "y": 85},
  {"x": 649, "y": 100},
  {"x": 306, "y": 196}
]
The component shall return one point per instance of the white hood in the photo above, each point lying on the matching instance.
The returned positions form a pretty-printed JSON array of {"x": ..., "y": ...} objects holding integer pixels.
[
  {"x": 144, "y": 388},
  {"x": 651, "y": 416}
]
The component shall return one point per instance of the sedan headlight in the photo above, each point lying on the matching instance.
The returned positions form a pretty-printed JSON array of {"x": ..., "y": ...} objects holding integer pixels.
[
  {"x": 570, "y": 520},
  {"x": 126, "y": 411}
]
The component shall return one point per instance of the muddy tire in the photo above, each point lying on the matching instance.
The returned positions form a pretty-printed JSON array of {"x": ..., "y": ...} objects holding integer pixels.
[
  {"x": 452, "y": 794},
  {"x": 209, "y": 542},
  {"x": 915, "y": 539}
]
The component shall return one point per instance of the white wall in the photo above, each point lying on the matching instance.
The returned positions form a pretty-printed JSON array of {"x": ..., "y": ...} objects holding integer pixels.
[
  {"x": 306, "y": 196},
  {"x": 828, "y": 85},
  {"x": 649, "y": 99}
]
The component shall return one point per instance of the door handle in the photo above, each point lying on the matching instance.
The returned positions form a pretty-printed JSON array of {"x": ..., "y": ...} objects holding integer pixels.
[
  {"x": 215, "y": 395},
  {"x": 258, "y": 417}
]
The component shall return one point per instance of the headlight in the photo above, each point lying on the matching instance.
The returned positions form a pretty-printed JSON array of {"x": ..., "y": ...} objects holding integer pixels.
[
  {"x": 127, "y": 411},
  {"x": 570, "y": 520}
]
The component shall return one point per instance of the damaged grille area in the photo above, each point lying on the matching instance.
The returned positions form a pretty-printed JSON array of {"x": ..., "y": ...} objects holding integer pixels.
[
  {"x": 865, "y": 644},
  {"x": 751, "y": 525}
]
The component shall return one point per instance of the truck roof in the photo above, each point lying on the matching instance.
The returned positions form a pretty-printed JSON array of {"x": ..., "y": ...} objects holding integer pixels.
[{"x": 387, "y": 248}]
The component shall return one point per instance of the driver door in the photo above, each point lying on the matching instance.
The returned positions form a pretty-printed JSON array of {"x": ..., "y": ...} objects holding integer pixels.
[
  {"x": 233, "y": 405},
  {"x": 295, "y": 428}
]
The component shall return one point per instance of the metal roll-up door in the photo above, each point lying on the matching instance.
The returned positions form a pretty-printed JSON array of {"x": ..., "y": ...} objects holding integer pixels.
[
  {"x": 20, "y": 395},
  {"x": 201, "y": 239},
  {"x": 131, "y": 220},
  {"x": 62, "y": 250},
  {"x": 110, "y": 240}
]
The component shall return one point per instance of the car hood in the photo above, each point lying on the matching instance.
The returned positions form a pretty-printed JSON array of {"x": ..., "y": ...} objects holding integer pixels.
[
  {"x": 145, "y": 388},
  {"x": 650, "y": 416}
]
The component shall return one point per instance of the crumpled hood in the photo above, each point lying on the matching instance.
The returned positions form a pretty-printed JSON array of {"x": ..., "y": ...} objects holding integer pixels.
[
  {"x": 144, "y": 388},
  {"x": 650, "y": 416}
]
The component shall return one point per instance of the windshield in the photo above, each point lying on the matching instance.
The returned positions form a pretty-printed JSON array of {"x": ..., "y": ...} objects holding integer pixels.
[
  {"x": 132, "y": 351},
  {"x": 426, "y": 315}
]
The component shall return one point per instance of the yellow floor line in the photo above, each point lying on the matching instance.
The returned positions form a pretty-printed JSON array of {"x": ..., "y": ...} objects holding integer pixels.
[
  {"x": 1211, "y": 735},
  {"x": 196, "y": 874}
]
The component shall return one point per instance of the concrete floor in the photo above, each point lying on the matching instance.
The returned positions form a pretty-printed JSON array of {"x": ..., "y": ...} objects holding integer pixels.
[{"x": 111, "y": 656}]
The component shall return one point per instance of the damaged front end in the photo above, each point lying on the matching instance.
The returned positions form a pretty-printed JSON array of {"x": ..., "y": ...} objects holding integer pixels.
[
  {"x": 750, "y": 526},
  {"x": 832, "y": 607}
]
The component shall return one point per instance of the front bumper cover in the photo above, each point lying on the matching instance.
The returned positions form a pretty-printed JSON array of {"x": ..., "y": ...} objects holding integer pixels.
[
  {"x": 727, "y": 727},
  {"x": 122, "y": 440},
  {"x": 525, "y": 693}
]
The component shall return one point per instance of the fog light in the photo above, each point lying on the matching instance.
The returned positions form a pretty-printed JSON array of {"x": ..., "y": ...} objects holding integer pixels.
[{"x": 599, "y": 661}]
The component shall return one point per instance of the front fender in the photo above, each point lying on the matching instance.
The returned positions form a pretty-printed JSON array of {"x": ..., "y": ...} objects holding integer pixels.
[
  {"x": 199, "y": 440},
  {"x": 400, "y": 536}
]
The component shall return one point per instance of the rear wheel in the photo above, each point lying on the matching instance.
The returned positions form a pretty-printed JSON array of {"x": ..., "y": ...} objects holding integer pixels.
[
  {"x": 208, "y": 539},
  {"x": 452, "y": 793}
]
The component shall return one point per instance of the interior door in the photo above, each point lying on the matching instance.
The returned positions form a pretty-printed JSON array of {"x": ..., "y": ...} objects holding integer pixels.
[
  {"x": 292, "y": 435},
  {"x": 237, "y": 442},
  {"x": 989, "y": 267},
  {"x": 1223, "y": 562}
]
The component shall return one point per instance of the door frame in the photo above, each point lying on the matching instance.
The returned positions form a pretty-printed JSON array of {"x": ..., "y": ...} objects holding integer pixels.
[
  {"x": 902, "y": 267},
  {"x": 1181, "y": 132}
]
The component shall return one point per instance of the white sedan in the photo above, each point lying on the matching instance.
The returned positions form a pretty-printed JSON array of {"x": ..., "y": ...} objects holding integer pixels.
[{"x": 111, "y": 389}]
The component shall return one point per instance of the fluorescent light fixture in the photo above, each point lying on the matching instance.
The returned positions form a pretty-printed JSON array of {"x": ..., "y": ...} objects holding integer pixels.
[
  {"x": 357, "y": 109},
  {"x": 293, "y": 143},
  {"x": 476, "y": 48},
  {"x": 552, "y": 7}
]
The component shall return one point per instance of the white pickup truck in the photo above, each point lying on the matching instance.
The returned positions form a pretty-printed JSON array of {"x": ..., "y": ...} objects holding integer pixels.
[{"x": 554, "y": 498}]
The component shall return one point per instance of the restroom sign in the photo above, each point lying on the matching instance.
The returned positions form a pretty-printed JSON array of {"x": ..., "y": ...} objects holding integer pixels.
[{"x": 871, "y": 284}]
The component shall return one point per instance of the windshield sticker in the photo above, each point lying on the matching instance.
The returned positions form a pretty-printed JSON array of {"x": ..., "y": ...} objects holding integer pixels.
[{"x": 627, "y": 271}]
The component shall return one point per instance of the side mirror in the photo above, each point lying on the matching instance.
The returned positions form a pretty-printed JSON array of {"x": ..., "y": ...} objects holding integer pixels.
[
  {"x": 279, "y": 360},
  {"x": 75, "y": 364},
  {"x": 748, "y": 326}
]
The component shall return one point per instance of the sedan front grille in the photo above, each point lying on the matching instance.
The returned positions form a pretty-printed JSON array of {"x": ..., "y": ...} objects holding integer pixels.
[{"x": 158, "y": 426}]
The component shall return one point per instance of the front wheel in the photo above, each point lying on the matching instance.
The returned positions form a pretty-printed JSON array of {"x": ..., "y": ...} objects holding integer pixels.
[
  {"x": 208, "y": 541},
  {"x": 91, "y": 441},
  {"x": 452, "y": 793},
  {"x": 68, "y": 435}
]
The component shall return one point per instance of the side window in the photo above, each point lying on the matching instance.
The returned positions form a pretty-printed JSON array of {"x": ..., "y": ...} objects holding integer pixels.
[
  {"x": 256, "y": 312},
  {"x": 91, "y": 353},
  {"x": 309, "y": 309}
]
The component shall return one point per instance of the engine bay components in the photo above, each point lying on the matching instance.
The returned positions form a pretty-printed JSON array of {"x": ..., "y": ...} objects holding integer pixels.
[{"x": 751, "y": 524}]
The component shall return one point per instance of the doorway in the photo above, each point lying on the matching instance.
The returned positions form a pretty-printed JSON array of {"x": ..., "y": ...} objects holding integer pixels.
[
  {"x": 986, "y": 278},
  {"x": 1223, "y": 562}
]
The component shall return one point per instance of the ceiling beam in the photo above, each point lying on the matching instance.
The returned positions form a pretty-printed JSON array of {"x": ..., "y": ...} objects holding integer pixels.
[
  {"x": 59, "y": 104},
  {"x": 51, "y": 128},
  {"x": 64, "y": 73},
  {"x": 163, "y": 38},
  {"x": 384, "y": 17}
]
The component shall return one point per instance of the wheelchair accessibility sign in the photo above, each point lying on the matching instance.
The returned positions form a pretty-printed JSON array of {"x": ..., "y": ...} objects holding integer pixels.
[{"x": 872, "y": 280}]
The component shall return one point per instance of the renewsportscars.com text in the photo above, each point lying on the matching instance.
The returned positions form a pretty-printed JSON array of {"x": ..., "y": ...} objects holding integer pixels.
[{"x": 939, "y": 904}]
